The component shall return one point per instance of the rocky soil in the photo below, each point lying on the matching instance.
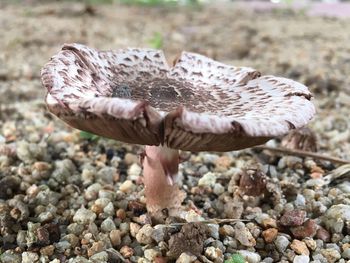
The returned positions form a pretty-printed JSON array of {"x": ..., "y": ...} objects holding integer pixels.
[{"x": 68, "y": 197}]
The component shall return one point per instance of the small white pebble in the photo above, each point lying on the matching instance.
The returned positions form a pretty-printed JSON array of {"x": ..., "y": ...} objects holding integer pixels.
[
  {"x": 127, "y": 186},
  {"x": 218, "y": 189},
  {"x": 186, "y": 258},
  {"x": 208, "y": 179},
  {"x": 301, "y": 259},
  {"x": 251, "y": 257}
]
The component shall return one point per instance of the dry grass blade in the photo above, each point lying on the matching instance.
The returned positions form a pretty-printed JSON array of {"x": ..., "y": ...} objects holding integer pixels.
[
  {"x": 211, "y": 221},
  {"x": 341, "y": 172},
  {"x": 302, "y": 154},
  {"x": 116, "y": 255}
]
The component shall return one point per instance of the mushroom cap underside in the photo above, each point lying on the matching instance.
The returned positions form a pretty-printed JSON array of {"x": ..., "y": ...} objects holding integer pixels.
[{"x": 134, "y": 96}]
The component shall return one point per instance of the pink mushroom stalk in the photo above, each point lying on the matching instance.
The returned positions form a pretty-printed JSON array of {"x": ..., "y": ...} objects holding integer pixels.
[{"x": 198, "y": 104}]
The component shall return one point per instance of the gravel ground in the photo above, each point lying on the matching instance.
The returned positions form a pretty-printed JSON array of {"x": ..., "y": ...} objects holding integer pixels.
[{"x": 67, "y": 198}]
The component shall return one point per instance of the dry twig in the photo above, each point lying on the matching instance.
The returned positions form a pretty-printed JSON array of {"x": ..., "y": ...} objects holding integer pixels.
[{"x": 302, "y": 154}]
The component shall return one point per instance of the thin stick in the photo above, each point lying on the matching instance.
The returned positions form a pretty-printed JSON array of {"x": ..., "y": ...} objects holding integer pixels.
[
  {"x": 302, "y": 154},
  {"x": 210, "y": 221}
]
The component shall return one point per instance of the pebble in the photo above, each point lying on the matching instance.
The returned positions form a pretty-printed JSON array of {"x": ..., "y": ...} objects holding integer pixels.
[
  {"x": 134, "y": 229},
  {"x": 78, "y": 259},
  {"x": 109, "y": 209},
  {"x": 209, "y": 179},
  {"x": 250, "y": 256},
  {"x": 88, "y": 175},
  {"x": 213, "y": 230},
  {"x": 214, "y": 254},
  {"x": 99, "y": 257},
  {"x": 134, "y": 172},
  {"x": 308, "y": 229},
  {"x": 108, "y": 225},
  {"x": 268, "y": 260},
  {"x": 84, "y": 216},
  {"x": 29, "y": 152},
  {"x": 127, "y": 186},
  {"x": 344, "y": 187},
  {"x": 300, "y": 201},
  {"x": 186, "y": 258},
  {"x": 252, "y": 182},
  {"x": 192, "y": 216},
  {"x": 331, "y": 254},
  {"x": 10, "y": 257},
  {"x": 102, "y": 202},
  {"x": 346, "y": 253},
  {"x": 120, "y": 213},
  {"x": 270, "y": 234},
  {"x": 227, "y": 230},
  {"x": 158, "y": 233},
  {"x": 115, "y": 237},
  {"x": 310, "y": 243},
  {"x": 45, "y": 197},
  {"x": 144, "y": 235},
  {"x": 106, "y": 175},
  {"x": 75, "y": 228},
  {"x": 299, "y": 247},
  {"x": 301, "y": 259},
  {"x": 62, "y": 246},
  {"x": 151, "y": 254},
  {"x": 30, "y": 257},
  {"x": 335, "y": 217},
  {"x": 96, "y": 248},
  {"x": 72, "y": 239},
  {"x": 126, "y": 251},
  {"x": 218, "y": 189},
  {"x": 243, "y": 235},
  {"x": 103, "y": 193},
  {"x": 91, "y": 192},
  {"x": 281, "y": 243},
  {"x": 293, "y": 218},
  {"x": 48, "y": 250},
  {"x": 323, "y": 234}
]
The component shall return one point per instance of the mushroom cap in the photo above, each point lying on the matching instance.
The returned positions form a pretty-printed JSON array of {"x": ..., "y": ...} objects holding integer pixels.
[{"x": 133, "y": 95}]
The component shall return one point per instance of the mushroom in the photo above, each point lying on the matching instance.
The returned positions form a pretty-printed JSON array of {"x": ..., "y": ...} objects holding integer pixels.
[{"x": 132, "y": 95}]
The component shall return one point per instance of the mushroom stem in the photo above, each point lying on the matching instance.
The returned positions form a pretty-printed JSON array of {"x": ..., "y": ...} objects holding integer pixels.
[{"x": 160, "y": 168}]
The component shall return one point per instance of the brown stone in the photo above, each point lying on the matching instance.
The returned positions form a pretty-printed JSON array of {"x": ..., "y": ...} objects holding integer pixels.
[
  {"x": 126, "y": 251},
  {"x": 308, "y": 229},
  {"x": 96, "y": 248},
  {"x": 223, "y": 162},
  {"x": 190, "y": 239},
  {"x": 121, "y": 214},
  {"x": 323, "y": 234},
  {"x": 269, "y": 222},
  {"x": 115, "y": 237},
  {"x": 270, "y": 234},
  {"x": 293, "y": 218},
  {"x": 252, "y": 182},
  {"x": 299, "y": 247},
  {"x": 47, "y": 251},
  {"x": 97, "y": 209},
  {"x": 43, "y": 236},
  {"x": 160, "y": 259}
]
